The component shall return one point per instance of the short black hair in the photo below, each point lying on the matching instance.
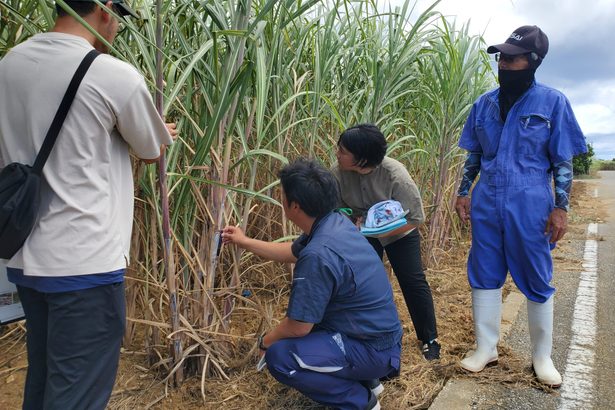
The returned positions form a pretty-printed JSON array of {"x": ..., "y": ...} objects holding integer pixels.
[
  {"x": 313, "y": 187},
  {"x": 366, "y": 142},
  {"x": 82, "y": 8}
]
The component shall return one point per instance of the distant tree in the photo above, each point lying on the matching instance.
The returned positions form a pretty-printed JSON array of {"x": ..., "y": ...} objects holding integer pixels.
[
  {"x": 582, "y": 163},
  {"x": 607, "y": 165}
]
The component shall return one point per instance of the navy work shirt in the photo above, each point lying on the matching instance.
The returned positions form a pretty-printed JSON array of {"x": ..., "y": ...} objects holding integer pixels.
[{"x": 340, "y": 284}]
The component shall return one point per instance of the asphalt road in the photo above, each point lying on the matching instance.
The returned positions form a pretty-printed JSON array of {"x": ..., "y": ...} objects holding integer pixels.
[
  {"x": 584, "y": 332},
  {"x": 605, "y": 350}
]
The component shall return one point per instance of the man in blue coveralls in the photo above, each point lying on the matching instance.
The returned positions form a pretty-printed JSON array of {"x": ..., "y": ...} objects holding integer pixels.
[
  {"x": 341, "y": 332},
  {"x": 519, "y": 137}
]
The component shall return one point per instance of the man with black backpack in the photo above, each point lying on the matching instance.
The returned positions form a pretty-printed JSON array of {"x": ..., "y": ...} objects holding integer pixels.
[{"x": 70, "y": 270}]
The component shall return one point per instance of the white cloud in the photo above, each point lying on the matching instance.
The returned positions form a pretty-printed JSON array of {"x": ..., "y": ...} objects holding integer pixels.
[
  {"x": 595, "y": 118},
  {"x": 603, "y": 144},
  {"x": 580, "y": 62},
  {"x": 593, "y": 91}
]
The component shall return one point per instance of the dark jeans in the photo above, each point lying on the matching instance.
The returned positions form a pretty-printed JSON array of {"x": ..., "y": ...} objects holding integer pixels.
[
  {"x": 405, "y": 257},
  {"x": 73, "y": 341}
]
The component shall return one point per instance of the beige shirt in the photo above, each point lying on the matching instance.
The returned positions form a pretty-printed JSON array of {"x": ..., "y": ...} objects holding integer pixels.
[
  {"x": 389, "y": 180},
  {"x": 86, "y": 213}
]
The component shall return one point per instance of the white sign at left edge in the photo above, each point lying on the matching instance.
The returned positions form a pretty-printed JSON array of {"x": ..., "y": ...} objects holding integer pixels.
[{"x": 10, "y": 306}]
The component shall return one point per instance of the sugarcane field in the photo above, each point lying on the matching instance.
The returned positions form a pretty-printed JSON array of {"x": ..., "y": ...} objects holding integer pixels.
[{"x": 306, "y": 204}]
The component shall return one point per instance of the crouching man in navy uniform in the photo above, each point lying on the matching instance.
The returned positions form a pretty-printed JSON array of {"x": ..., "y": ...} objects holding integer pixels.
[{"x": 341, "y": 332}]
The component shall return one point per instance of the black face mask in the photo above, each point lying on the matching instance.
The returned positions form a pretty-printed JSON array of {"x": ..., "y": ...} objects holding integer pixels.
[{"x": 513, "y": 83}]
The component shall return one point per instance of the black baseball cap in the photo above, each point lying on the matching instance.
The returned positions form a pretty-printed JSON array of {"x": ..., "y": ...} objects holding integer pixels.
[
  {"x": 524, "y": 40},
  {"x": 122, "y": 7}
]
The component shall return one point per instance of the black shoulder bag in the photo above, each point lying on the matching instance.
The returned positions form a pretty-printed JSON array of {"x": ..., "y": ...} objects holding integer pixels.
[{"x": 20, "y": 183}]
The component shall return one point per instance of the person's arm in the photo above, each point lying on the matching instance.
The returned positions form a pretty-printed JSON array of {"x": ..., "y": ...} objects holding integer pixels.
[
  {"x": 566, "y": 141},
  {"x": 471, "y": 168},
  {"x": 278, "y": 252},
  {"x": 404, "y": 190},
  {"x": 562, "y": 176},
  {"x": 172, "y": 128},
  {"x": 558, "y": 219},
  {"x": 286, "y": 329},
  {"x": 311, "y": 292},
  {"x": 140, "y": 125}
]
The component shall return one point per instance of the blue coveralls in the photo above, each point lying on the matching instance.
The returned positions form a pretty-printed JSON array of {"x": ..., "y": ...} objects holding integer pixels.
[
  {"x": 340, "y": 285},
  {"x": 513, "y": 198}
]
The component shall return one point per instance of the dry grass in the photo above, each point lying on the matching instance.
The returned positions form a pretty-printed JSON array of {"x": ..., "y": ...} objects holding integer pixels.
[
  {"x": 140, "y": 387},
  {"x": 420, "y": 381}
]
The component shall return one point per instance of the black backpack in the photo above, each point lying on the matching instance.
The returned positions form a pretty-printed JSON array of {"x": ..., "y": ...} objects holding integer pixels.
[{"x": 20, "y": 183}]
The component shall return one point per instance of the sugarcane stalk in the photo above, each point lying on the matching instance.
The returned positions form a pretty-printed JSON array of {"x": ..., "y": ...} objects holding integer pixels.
[
  {"x": 169, "y": 267},
  {"x": 219, "y": 193}
]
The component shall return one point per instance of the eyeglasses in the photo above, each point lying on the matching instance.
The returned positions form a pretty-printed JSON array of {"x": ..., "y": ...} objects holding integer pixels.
[{"x": 507, "y": 57}]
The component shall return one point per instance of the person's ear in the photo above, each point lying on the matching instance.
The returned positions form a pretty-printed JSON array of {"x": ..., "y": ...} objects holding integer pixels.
[
  {"x": 295, "y": 208},
  {"x": 104, "y": 14}
]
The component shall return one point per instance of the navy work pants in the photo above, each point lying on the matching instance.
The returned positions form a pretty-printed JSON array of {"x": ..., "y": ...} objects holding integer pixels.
[
  {"x": 73, "y": 340},
  {"x": 328, "y": 367}
]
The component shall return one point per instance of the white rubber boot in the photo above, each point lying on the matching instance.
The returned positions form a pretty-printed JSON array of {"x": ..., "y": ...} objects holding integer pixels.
[
  {"x": 540, "y": 321},
  {"x": 487, "y": 311}
]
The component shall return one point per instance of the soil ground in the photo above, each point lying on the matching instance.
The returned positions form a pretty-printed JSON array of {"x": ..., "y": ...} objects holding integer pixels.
[{"x": 138, "y": 387}]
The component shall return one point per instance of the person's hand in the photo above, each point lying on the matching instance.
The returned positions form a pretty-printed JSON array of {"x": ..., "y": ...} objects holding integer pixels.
[
  {"x": 172, "y": 128},
  {"x": 261, "y": 356},
  {"x": 358, "y": 222},
  {"x": 233, "y": 234},
  {"x": 261, "y": 352},
  {"x": 462, "y": 206},
  {"x": 557, "y": 224}
]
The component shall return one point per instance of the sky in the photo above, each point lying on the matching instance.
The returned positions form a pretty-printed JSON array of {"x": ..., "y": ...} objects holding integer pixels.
[{"x": 580, "y": 61}]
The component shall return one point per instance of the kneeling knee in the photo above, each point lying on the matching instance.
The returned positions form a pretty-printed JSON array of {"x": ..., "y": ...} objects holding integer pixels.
[{"x": 280, "y": 360}]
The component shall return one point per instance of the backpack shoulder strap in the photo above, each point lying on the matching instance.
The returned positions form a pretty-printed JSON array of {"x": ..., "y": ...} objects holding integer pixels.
[{"x": 58, "y": 120}]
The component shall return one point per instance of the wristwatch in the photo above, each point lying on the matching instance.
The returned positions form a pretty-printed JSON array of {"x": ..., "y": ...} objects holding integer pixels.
[{"x": 261, "y": 344}]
